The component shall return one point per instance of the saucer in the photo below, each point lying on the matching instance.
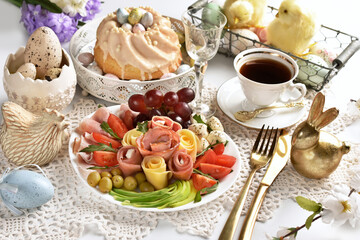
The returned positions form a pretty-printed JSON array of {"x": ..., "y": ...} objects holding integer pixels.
[{"x": 229, "y": 99}]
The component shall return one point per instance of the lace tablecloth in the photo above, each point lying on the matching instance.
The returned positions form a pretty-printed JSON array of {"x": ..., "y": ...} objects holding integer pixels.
[{"x": 73, "y": 206}]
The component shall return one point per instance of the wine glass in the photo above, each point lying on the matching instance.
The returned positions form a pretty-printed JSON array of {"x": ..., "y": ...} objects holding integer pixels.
[{"x": 203, "y": 28}]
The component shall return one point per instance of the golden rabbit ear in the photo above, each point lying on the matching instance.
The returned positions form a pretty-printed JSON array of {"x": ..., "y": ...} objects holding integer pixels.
[
  {"x": 325, "y": 118},
  {"x": 316, "y": 108}
]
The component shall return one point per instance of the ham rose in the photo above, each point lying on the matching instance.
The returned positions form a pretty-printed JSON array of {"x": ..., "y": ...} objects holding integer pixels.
[
  {"x": 165, "y": 122},
  {"x": 181, "y": 165},
  {"x": 158, "y": 141},
  {"x": 129, "y": 159}
]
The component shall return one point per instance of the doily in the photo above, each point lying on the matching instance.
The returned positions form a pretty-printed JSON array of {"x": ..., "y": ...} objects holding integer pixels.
[{"x": 73, "y": 206}]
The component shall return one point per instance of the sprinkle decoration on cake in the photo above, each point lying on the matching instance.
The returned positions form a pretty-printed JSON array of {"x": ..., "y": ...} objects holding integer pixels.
[{"x": 137, "y": 43}]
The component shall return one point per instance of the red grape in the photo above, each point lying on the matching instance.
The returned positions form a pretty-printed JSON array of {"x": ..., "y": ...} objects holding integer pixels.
[
  {"x": 186, "y": 124},
  {"x": 154, "y": 112},
  {"x": 175, "y": 117},
  {"x": 140, "y": 118},
  {"x": 137, "y": 103},
  {"x": 186, "y": 95},
  {"x": 153, "y": 98},
  {"x": 170, "y": 99},
  {"x": 183, "y": 110}
]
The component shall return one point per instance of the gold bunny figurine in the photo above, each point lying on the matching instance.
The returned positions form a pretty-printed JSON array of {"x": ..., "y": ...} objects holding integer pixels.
[
  {"x": 28, "y": 138},
  {"x": 315, "y": 153}
]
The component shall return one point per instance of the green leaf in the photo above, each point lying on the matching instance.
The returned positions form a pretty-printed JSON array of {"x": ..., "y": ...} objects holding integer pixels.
[
  {"x": 100, "y": 147},
  {"x": 203, "y": 174},
  {"x": 98, "y": 167},
  {"x": 293, "y": 229},
  {"x": 99, "y": 106},
  {"x": 142, "y": 127},
  {"x": 209, "y": 189},
  {"x": 17, "y": 3},
  {"x": 198, "y": 119},
  {"x": 310, "y": 219},
  {"x": 276, "y": 238},
  {"x": 46, "y": 4},
  {"x": 197, "y": 197},
  {"x": 308, "y": 204},
  {"x": 105, "y": 126}
]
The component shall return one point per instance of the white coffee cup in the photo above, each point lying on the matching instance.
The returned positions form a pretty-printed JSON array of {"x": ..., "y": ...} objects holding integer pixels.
[{"x": 264, "y": 94}]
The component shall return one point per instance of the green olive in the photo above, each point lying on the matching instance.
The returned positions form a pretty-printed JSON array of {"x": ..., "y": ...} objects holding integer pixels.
[
  {"x": 106, "y": 174},
  {"x": 105, "y": 185},
  {"x": 140, "y": 177},
  {"x": 118, "y": 181},
  {"x": 116, "y": 171},
  {"x": 146, "y": 187},
  {"x": 130, "y": 183},
  {"x": 93, "y": 178}
]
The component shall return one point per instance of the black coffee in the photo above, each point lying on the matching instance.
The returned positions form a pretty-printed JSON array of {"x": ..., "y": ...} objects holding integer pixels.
[{"x": 266, "y": 71}]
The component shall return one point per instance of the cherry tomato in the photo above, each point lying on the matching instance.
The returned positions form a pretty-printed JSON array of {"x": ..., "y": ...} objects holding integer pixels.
[
  {"x": 219, "y": 148},
  {"x": 201, "y": 182},
  {"x": 100, "y": 138},
  {"x": 213, "y": 170},
  {"x": 104, "y": 158},
  {"x": 117, "y": 125},
  {"x": 225, "y": 160},
  {"x": 208, "y": 157}
]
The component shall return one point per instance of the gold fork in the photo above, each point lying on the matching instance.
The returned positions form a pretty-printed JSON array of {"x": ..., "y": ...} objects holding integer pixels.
[{"x": 259, "y": 157}]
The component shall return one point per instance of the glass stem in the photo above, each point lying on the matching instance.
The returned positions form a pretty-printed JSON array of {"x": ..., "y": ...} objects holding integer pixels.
[{"x": 200, "y": 68}]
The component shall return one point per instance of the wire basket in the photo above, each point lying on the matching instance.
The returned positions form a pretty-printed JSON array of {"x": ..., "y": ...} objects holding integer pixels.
[{"x": 345, "y": 44}]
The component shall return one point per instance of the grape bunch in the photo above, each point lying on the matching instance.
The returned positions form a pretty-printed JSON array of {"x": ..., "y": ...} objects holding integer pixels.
[{"x": 172, "y": 104}]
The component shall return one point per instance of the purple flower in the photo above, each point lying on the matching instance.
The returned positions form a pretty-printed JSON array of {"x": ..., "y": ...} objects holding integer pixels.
[
  {"x": 32, "y": 16},
  {"x": 92, "y": 8}
]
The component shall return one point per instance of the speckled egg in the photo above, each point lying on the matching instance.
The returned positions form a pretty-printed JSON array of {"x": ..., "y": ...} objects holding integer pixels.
[
  {"x": 86, "y": 58},
  {"x": 135, "y": 15},
  {"x": 52, "y": 74},
  {"x": 311, "y": 74},
  {"x": 211, "y": 17},
  {"x": 168, "y": 75},
  {"x": 138, "y": 28},
  {"x": 239, "y": 43},
  {"x": 27, "y": 70},
  {"x": 183, "y": 68},
  {"x": 34, "y": 189},
  {"x": 147, "y": 20},
  {"x": 127, "y": 27},
  {"x": 122, "y": 15},
  {"x": 43, "y": 49},
  {"x": 324, "y": 51}
]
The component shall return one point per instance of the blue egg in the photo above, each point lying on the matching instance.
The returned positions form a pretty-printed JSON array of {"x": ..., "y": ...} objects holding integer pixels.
[
  {"x": 183, "y": 68},
  {"x": 122, "y": 15},
  {"x": 147, "y": 20},
  {"x": 211, "y": 17},
  {"x": 34, "y": 189}
]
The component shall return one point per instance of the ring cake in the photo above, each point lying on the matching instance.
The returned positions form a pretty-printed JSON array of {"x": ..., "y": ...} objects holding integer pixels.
[{"x": 132, "y": 54}]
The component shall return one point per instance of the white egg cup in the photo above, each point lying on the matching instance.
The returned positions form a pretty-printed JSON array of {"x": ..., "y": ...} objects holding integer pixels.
[{"x": 36, "y": 95}]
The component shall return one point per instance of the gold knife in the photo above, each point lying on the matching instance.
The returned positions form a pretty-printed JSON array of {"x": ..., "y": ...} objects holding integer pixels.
[{"x": 275, "y": 166}]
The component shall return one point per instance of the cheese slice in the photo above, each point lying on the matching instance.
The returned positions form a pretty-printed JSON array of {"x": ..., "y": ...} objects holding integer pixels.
[
  {"x": 130, "y": 137},
  {"x": 154, "y": 168},
  {"x": 190, "y": 142}
]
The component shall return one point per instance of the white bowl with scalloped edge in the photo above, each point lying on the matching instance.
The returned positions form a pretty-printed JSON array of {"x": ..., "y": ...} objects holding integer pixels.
[{"x": 36, "y": 95}]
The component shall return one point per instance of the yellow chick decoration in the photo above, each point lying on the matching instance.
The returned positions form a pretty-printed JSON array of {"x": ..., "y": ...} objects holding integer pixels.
[
  {"x": 293, "y": 28},
  {"x": 244, "y": 13}
]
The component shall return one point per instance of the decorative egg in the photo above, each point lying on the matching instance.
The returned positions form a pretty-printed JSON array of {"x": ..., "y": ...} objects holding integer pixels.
[
  {"x": 183, "y": 68},
  {"x": 138, "y": 28},
  {"x": 109, "y": 75},
  {"x": 122, "y": 15},
  {"x": 239, "y": 43},
  {"x": 311, "y": 74},
  {"x": 127, "y": 27},
  {"x": 324, "y": 51},
  {"x": 34, "y": 189},
  {"x": 147, "y": 20},
  {"x": 86, "y": 58},
  {"x": 168, "y": 75},
  {"x": 95, "y": 68},
  {"x": 135, "y": 16},
  {"x": 43, "y": 49},
  {"x": 27, "y": 70},
  {"x": 52, "y": 74},
  {"x": 211, "y": 17}
]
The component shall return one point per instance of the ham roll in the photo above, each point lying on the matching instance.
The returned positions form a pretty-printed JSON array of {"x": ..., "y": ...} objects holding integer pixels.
[
  {"x": 129, "y": 159},
  {"x": 165, "y": 122},
  {"x": 181, "y": 165}
]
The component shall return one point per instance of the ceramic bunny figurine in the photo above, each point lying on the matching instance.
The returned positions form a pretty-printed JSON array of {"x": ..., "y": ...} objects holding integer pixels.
[{"x": 315, "y": 153}]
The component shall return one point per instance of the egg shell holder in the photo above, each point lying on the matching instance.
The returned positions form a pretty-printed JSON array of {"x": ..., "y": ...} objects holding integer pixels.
[
  {"x": 117, "y": 90},
  {"x": 312, "y": 70}
]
